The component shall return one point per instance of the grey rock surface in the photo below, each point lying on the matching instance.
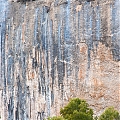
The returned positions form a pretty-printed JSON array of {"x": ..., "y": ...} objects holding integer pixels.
[{"x": 52, "y": 51}]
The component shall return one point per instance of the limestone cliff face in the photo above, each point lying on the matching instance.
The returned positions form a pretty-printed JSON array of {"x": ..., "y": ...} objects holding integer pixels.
[{"x": 52, "y": 51}]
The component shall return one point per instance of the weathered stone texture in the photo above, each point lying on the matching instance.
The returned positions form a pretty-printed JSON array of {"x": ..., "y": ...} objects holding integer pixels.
[{"x": 52, "y": 51}]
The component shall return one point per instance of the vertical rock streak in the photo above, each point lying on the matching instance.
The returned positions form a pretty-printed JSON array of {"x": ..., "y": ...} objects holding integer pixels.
[{"x": 48, "y": 57}]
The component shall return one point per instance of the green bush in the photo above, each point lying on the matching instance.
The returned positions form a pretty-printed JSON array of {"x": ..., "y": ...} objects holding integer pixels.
[
  {"x": 56, "y": 118},
  {"x": 110, "y": 114},
  {"x": 77, "y": 110}
]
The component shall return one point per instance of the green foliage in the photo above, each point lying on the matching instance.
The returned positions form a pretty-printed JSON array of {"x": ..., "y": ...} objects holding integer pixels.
[
  {"x": 95, "y": 118},
  {"x": 77, "y": 110},
  {"x": 56, "y": 118},
  {"x": 110, "y": 114}
]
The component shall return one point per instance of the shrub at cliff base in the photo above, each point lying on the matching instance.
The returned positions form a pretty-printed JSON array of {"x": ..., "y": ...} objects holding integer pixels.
[
  {"x": 56, "y": 118},
  {"x": 77, "y": 110},
  {"x": 110, "y": 114}
]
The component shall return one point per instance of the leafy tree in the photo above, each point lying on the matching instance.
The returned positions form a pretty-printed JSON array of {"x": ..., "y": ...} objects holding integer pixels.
[
  {"x": 96, "y": 118},
  {"x": 56, "y": 118},
  {"x": 77, "y": 110},
  {"x": 110, "y": 114}
]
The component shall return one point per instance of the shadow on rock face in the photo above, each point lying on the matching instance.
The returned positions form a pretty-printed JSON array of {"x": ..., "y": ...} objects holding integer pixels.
[{"x": 22, "y": 1}]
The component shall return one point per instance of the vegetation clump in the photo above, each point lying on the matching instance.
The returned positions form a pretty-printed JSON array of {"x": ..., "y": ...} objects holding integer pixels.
[
  {"x": 78, "y": 109},
  {"x": 56, "y": 118},
  {"x": 110, "y": 114}
]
